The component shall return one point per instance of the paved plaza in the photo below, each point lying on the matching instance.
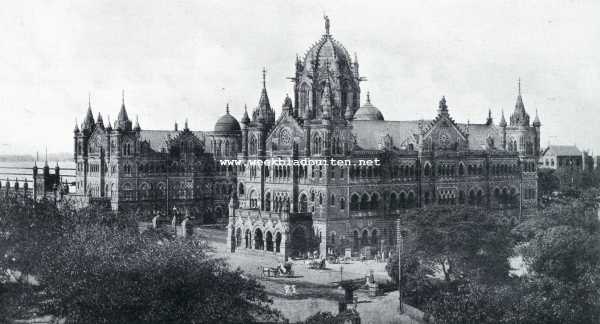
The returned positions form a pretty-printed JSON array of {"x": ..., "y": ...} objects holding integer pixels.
[{"x": 316, "y": 289}]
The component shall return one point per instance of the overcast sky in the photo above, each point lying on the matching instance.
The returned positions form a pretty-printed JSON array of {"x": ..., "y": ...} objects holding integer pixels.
[{"x": 178, "y": 59}]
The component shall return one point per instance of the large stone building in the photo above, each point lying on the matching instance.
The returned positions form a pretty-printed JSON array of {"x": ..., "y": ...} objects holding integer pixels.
[
  {"x": 385, "y": 167},
  {"x": 156, "y": 171},
  {"x": 291, "y": 209}
]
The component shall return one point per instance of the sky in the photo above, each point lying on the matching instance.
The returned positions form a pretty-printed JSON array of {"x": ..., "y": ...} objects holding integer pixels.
[{"x": 188, "y": 59}]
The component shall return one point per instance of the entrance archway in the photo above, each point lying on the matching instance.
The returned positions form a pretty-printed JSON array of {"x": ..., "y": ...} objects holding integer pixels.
[
  {"x": 248, "y": 241},
  {"x": 238, "y": 237},
  {"x": 298, "y": 243},
  {"x": 269, "y": 237},
  {"x": 278, "y": 242},
  {"x": 258, "y": 240}
]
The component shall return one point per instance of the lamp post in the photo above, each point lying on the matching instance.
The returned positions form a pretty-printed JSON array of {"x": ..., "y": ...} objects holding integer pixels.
[{"x": 400, "y": 248}]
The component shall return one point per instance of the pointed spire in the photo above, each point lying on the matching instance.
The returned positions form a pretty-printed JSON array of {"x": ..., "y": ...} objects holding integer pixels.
[
  {"x": 46, "y": 157},
  {"x": 264, "y": 112},
  {"x": 99, "y": 121},
  {"x": 502, "y": 120},
  {"x": 185, "y": 125},
  {"x": 489, "y": 120},
  {"x": 519, "y": 116},
  {"x": 536, "y": 121},
  {"x": 109, "y": 125},
  {"x": 76, "y": 129},
  {"x": 88, "y": 121},
  {"x": 137, "y": 124},
  {"x": 176, "y": 128},
  {"x": 123, "y": 121},
  {"x": 245, "y": 118}
]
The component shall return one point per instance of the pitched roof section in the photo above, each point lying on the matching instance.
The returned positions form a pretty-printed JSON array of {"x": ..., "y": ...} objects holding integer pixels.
[
  {"x": 158, "y": 138},
  {"x": 479, "y": 134},
  {"x": 562, "y": 150},
  {"x": 368, "y": 133}
]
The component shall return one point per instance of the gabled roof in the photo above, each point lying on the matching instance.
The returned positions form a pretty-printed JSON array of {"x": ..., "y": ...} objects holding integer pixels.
[
  {"x": 479, "y": 134},
  {"x": 158, "y": 138},
  {"x": 562, "y": 150},
  {"x": 368, "y": 133}
]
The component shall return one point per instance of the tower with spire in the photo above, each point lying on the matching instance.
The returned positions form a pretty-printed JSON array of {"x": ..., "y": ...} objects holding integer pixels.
[{"x": 326, "y": 64}]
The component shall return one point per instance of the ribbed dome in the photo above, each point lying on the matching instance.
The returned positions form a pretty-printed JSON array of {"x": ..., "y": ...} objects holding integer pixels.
[
  {"x": 368, "y": 112},
  {"x": 327, "y": 49},
  {"x": 227, "y": 123}
]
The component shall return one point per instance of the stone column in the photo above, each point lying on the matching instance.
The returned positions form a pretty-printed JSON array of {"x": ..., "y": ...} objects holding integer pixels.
[{"x": 230, "y": 233}]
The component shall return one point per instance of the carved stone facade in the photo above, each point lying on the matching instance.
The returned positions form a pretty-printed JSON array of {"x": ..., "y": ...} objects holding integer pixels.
[
  {"x": 156, "y": 171},
  {"x": 289, "y": 210}
]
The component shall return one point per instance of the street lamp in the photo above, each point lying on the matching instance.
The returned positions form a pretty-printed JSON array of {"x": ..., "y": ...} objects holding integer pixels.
[{"x": 400, "y": 244}]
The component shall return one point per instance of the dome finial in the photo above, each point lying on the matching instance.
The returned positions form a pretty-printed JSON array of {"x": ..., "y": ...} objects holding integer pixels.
[
  {"x": 519, "y": 85},
  {"x": 264, "y": 77},
  {"x": 123, "y": 97},
  {"x": 227, "y": 108},
  {"x": 326, "y": 24},
  {"x": 89, "y": 100},
  {"x": 368, "y": 97}
]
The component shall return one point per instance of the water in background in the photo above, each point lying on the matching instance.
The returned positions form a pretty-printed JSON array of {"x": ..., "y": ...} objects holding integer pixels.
[{"x": 23, "y": 170}]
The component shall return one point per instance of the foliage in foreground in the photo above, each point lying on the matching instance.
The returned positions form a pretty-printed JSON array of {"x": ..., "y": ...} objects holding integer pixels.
[
  {"x": 94, "y": 267},
  {"x": 560, "y": 247}
]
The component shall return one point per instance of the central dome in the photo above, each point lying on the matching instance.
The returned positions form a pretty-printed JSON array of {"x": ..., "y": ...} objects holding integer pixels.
[{"x": 327, "y": 49}]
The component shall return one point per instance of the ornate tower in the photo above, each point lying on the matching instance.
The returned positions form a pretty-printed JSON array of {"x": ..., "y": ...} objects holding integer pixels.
[{"x": 326, "y": 64}]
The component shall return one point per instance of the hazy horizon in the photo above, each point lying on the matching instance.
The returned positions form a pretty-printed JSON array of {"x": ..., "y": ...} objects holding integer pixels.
[{"x": 186, "y": 59}]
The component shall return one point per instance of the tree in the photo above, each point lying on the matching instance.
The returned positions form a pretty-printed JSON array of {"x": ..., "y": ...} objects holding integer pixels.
[
  {"x": 93, "y": 266},
  {"x": 106, "y": 275},
  {"x": 548, "y": 182},
  {"x": 459, "y": 243}
]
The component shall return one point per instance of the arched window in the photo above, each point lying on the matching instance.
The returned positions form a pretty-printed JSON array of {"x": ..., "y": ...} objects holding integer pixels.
[
  {"x": 461, "y": 197},
  {"x": 393, "y": 201},
  {"x": 354, "y": 202},
  {"x": 253, "y": 145},
  {"x": 241, "y": 188},
  {"x": 304, "y": 98},
  {"x": 374, "y": 238},
  {"x": 411, "y": 200},
  {"x": 427, "y": 170},
  {"x": 364, "y": 240},
  {"x": 461, "y": 169},
  {"x": 375, "y": 201},
  {"x": 402, "y": 200},
  {"x": 303, "y": 203},
  {"x": 253, "y": 199},
  {"x": 364, "y": 202},
  {"x": 342, "y": 204},
  {"x": 267, "y": 206}
]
